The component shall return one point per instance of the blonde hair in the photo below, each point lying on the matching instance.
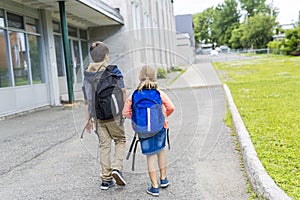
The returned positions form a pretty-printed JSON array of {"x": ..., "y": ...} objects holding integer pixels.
[{"x": 147, "y": 78}]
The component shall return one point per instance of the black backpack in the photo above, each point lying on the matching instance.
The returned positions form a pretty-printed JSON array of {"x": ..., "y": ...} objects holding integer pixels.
[
  {"x": 109, "y": 100},
  {"x": 107, "y": 96}
]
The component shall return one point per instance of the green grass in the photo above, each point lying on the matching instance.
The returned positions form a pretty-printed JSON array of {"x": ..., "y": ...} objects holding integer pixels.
[
  {"x": 181, "y": 72},
  {"x": 266, "y": 91}
]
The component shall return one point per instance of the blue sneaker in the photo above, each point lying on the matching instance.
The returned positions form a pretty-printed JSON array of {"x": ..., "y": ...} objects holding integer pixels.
[
  {"x": 107, "y": 184},
  {"x": 164, "y": 183},
  {"x": 153, "y": 191}
]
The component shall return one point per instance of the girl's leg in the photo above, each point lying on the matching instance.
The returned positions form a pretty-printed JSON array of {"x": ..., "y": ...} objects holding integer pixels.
[
  {"x": 151, "y": 161},
  {"x": 162, "y": 163}
]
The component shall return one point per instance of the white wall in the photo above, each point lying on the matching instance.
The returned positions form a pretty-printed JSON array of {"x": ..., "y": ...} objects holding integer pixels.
[
  {"x": 185, "y": 53},
  {"x": 22, "y": 98},
  {"x": 19, "y": 99},
  {"x": 147, "y": 37}
]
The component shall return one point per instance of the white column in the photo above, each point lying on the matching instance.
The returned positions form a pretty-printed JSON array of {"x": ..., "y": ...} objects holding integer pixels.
[{"x": 50, "y": 58}]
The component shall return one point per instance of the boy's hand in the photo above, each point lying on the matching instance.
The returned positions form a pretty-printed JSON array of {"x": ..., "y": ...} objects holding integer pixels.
[{"x": 89, "y": 126}]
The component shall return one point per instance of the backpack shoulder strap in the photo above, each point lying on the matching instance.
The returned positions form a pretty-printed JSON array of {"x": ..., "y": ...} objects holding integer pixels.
[
  {"x": 141, "y": 94},
  {"x": 111, "y": 67}
]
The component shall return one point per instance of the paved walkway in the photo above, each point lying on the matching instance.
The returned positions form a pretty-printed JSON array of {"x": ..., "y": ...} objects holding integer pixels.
[{"x": 42, "y": 156}]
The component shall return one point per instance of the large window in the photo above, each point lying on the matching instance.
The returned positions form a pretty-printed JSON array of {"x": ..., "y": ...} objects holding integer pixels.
[
  {"x": 5, "y": 76},
  {"x": 85, "y": 55},
  {"x": 35, "y": 58},
  {"x": 15, "y": 21},
  {"x": 59, "y": 56},
  {"x": 77, "y": 61},
  {"x": 2, "y": 21},
  {"x": 20, "y": 50},
  {"x": 79, "y": 51},
  {"x": 18, "y": 56}
]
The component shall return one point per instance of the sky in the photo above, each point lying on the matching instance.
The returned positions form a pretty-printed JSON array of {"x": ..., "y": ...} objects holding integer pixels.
[{"x": 288, "y": 9}]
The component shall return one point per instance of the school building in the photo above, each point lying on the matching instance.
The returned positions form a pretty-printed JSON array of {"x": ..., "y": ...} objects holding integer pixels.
[
  {"x": 185, "y": 38},
  {"x": 44, "y": 45}
]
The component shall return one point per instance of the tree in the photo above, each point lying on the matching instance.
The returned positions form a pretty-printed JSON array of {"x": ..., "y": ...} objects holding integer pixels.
[
  {"x": 254, "y": 7},
  {"x": 202, "y": 23},
  {"x": 259, "y": 30},
  {"x": 222, "y": 24},
  {"x": 290, "y": 45},
  {"x": 225, "y": 20},
  {"x": 235, "y": 40},
  {"x": 292, "y": 41}
]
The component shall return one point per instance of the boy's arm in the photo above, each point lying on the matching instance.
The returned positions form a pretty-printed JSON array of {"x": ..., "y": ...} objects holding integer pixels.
[{"x": 88, "y": 123}]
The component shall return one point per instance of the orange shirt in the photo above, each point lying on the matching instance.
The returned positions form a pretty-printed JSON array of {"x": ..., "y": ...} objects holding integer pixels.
[{"x": 167, "y": 106}]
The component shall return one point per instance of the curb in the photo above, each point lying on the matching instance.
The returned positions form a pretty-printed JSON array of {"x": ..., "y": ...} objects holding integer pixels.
[
  {"x": 24, "y": 112},
  {"x": 262, "y": 184}
]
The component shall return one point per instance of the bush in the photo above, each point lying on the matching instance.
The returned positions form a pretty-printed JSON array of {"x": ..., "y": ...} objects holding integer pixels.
[
  {"x": 175, "y": 69},
  {"x": 161, "y": 73},
  {"x": 275, "y": 46},
  {"x": 290, "y": 45}
]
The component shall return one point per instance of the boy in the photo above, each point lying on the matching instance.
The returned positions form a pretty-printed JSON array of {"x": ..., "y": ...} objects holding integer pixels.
[{"x": 107, "y": 130}]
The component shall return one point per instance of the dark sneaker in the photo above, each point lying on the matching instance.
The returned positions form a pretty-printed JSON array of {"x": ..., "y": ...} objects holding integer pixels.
[
  {"x": 118, "y": 177},
  {"x": 107, "y": 184},
  {"x": 164, "y": 183},
  {"x": 153, "y": 191}
]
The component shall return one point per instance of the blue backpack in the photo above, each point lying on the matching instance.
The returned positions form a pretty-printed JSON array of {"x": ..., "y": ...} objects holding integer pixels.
[{"x": 147, "y": 115}]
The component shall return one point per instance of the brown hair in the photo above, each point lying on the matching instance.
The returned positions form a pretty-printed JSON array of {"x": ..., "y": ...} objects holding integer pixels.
[
  {"x": 147, "y": 78},
  {"x": 98, "y": 51}
]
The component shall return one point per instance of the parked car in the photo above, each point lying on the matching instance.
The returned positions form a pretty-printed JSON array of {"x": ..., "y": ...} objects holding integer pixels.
[
  {"x": 204, "y": 49},
  {"x": 224, "y": 49}
]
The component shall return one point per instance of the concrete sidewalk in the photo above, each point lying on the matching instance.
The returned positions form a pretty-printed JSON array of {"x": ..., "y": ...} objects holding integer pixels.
[
  {"x": 197, "y": 75},
  {"x": 43, "y": 157}
]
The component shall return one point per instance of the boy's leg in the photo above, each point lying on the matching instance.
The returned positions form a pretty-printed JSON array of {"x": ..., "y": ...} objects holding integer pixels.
[
  {"x": 151, "y": 162},
  {"x": 105, "y": 150},
  {"x": 117, "y": 134},
  {"x": 162, "y": 163}
]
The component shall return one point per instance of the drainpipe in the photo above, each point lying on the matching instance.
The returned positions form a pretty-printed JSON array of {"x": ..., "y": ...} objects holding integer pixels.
[{"x": 64, "y": 28}]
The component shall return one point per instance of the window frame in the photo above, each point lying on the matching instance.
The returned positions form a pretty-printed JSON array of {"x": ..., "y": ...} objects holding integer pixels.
[
  {"x": 7, "y": 29},
  {"x": 71, "y": 41}
]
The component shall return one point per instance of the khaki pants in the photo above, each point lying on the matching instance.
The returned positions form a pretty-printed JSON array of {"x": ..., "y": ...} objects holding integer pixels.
[{"x": 109, "y": 131}]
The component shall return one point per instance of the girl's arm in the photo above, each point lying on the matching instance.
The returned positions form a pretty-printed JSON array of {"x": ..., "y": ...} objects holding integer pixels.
[
  {"x": 167, "y": 103},
  {"x": 127, "y": 111}
]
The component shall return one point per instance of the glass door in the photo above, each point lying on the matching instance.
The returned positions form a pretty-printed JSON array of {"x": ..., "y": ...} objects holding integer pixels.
[{"x": 76, "y": 61}]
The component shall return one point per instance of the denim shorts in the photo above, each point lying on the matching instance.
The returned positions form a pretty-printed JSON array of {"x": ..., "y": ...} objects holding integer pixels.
[{"x": 154, "y": 144}]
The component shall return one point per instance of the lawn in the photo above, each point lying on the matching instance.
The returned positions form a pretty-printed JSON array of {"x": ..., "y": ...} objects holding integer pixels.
[{"x": 266, "y": 91}]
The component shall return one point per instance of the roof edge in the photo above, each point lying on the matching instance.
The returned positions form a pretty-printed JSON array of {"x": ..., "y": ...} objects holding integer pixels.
[{"x": 103, "y": 8}]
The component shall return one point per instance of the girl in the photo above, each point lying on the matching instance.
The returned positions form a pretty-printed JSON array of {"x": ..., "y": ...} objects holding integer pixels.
[{"x": 155, "y": 153}]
